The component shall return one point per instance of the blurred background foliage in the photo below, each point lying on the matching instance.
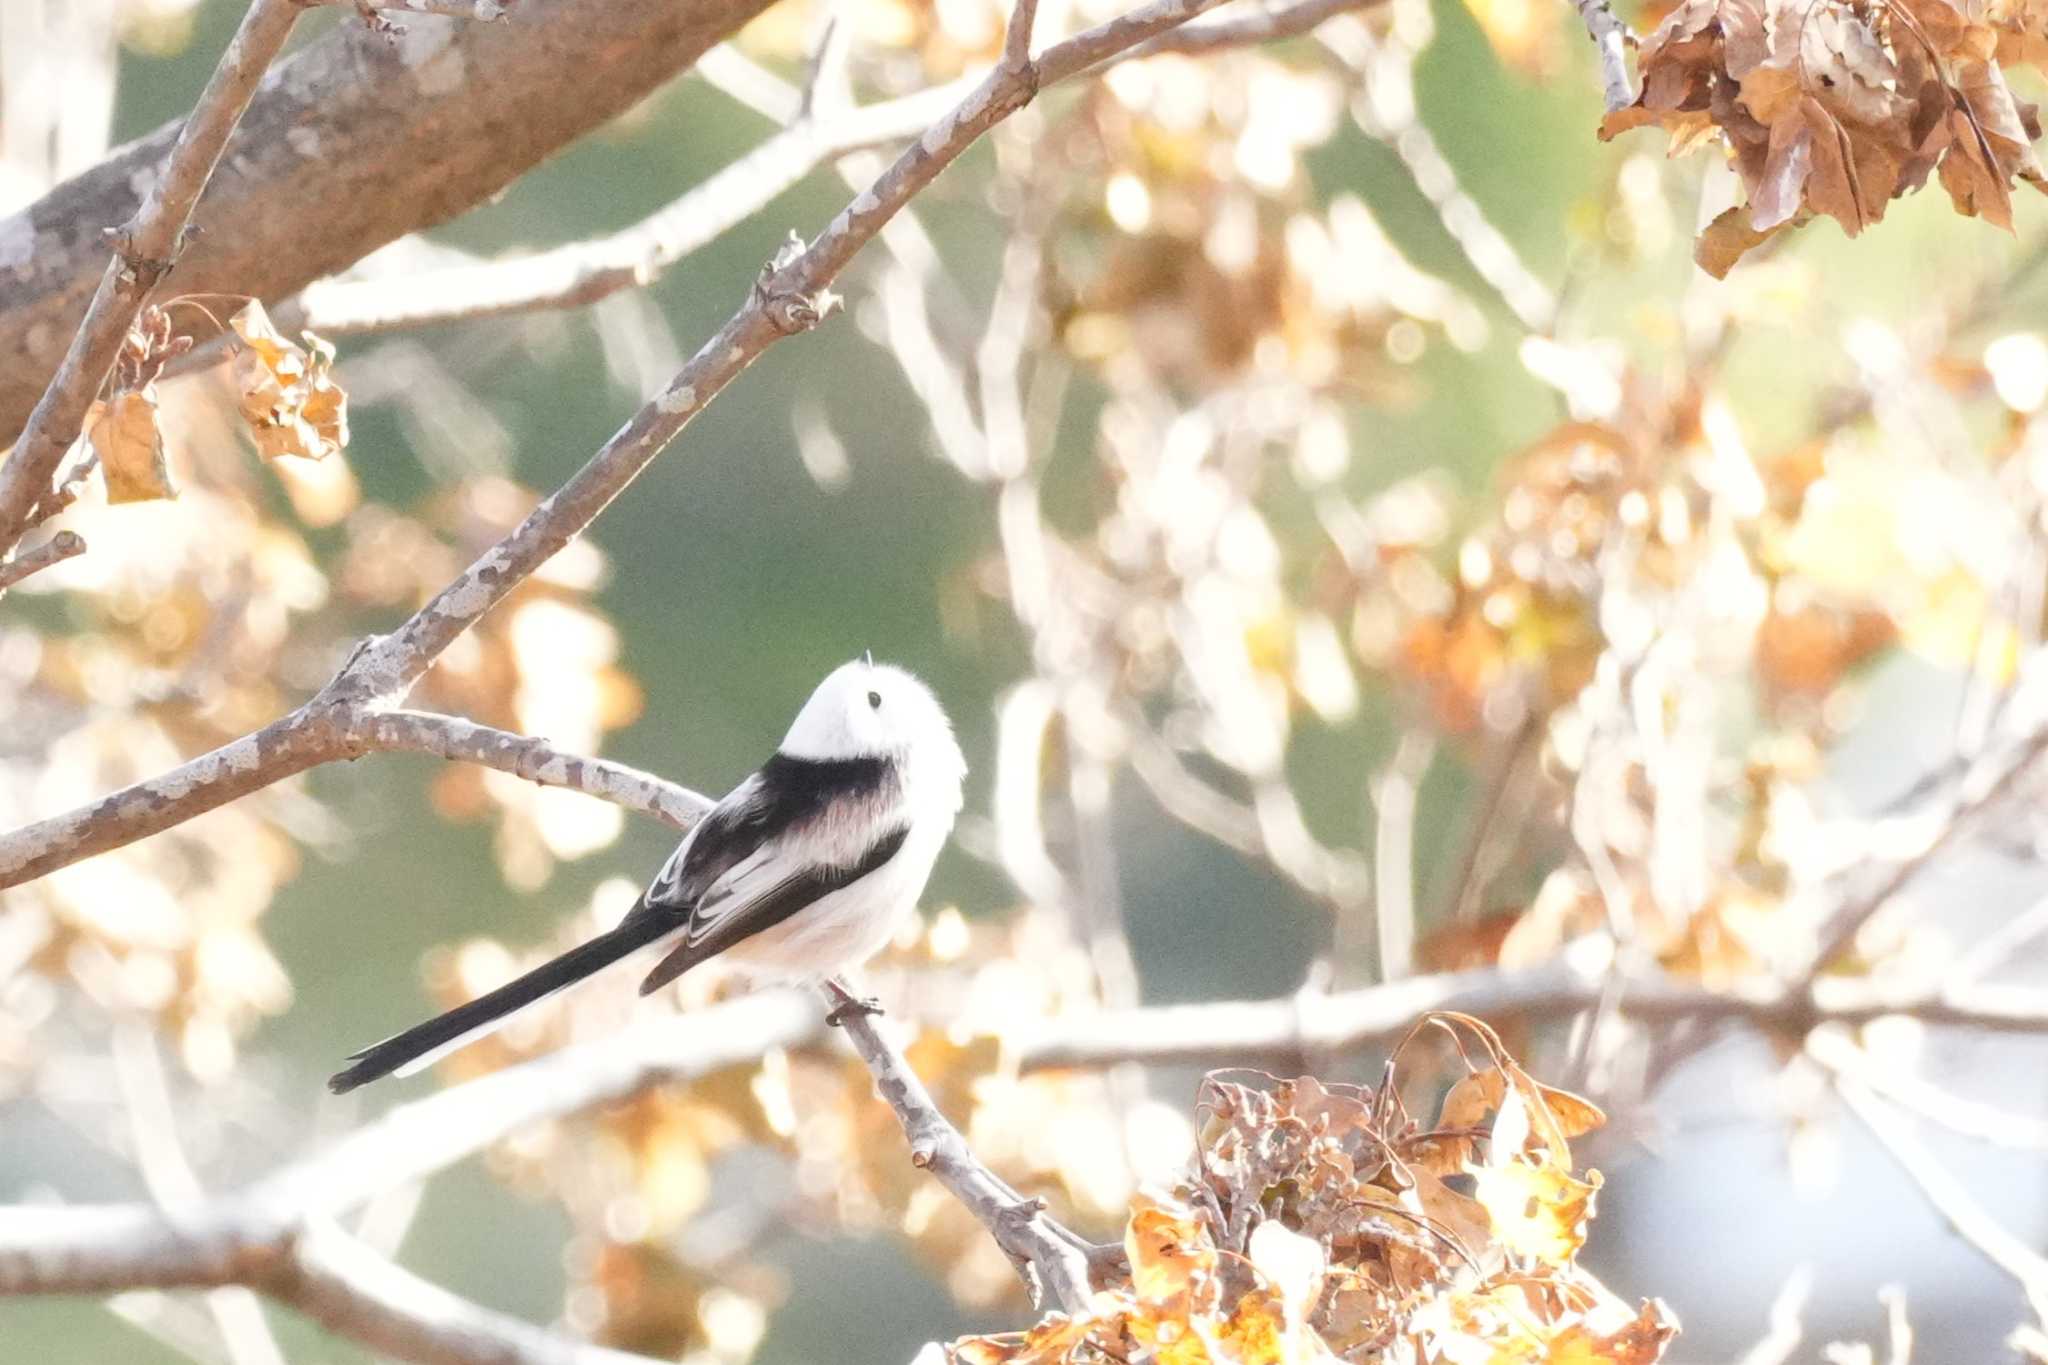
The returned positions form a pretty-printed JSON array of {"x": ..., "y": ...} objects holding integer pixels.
[{"x": 1378, "y": 443}]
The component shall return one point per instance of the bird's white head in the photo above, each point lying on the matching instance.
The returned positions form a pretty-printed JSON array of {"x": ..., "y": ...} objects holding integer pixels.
[{"x": 868, "y": 710}]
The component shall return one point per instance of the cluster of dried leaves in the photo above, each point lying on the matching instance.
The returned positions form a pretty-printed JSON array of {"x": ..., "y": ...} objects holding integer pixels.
[
  {"x": 1324, "y": 1223},
  {"x": 286, "y": 394},
  {"x": 1836, "y": 108}
]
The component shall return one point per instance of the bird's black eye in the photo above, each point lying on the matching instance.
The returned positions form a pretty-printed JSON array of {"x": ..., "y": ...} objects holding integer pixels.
[{"x": 875, "y": 700}]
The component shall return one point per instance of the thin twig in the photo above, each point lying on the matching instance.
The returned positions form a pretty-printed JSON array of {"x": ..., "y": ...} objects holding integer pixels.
[
  {"x": 1393, "y": 854},
  {"x": 1785, "y": 1330},
  {"x": 1948, "y": 1196},
  {"x": 58, "y": 548},
  {"x": 483, "y": 11},
  {"x": 144, "y": 250},
  {"x": 1049, "y": 1256},
  {"x": 584, "y": 272},
  {"x": 2000, "y": 946},
  {"x": 173, "y": 1185},
  {"x": 1838, "y": 1053},
  {"x": 1840, "y": 927},
  {"x": 1242, "y": 1032}
]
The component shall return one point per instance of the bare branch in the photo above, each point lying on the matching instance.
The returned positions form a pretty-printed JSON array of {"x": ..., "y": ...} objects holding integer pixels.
[
  {"x": 1986, "y": 1123},
  {"x": 1049, "y": 1256},
  {"x": 316, "y": 1268},
  {"x": 58, "y": 548},
  {"x": 1612, "y": 38},
  {"x": 2001, "y": 945},
  {"x": 1248, "y": 1031},
  {"x": 580, "y": 273},
  {"x": 1785, "y": 1330},
  {"x": 534, "y": 759},
  {"x": 1260, "y": 26},
  {"x": 1839, "y": 929},
  {"x": 1394, "y": 793},
  {"x": 323, "y": 731},
  {"x": 144, "y": 251},
  {"x": 1948, "y": 1196},
  {"x": 172, "y": 1183},
  {"x": 283, "y": 748}
]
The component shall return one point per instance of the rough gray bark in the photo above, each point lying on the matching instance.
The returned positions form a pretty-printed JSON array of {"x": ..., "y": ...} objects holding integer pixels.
[{"x": 350, "y": 144}]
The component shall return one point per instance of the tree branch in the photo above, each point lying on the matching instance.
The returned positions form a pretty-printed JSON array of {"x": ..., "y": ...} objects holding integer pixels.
[
  {"x": 144, "y": 250},
  {"x": 1839, "y": 929},
  {"x": 1251, "y": 1031},
  {"x": 1948, "y": 1196},
  {"x": 1052, "y": 1260},
  {"x": 350, "y": 143},
  {"x": 534, "y": 759},
  {"x": 481, "y": 10},
  {"x": 58, "y": 548},
  {"x": 263, "y": 1235},
  {"x": 580, "y": 273},
  {"x": 323, "y": 731},
  {"x": 1611, "y": 37}
]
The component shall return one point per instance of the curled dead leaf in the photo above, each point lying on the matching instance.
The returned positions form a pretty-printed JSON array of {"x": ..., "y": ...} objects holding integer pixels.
[
  {"x": 124, "y": 434},
  {"x": 286, "y": 392}
]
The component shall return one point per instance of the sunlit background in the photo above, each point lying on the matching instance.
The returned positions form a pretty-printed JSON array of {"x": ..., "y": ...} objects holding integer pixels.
[{"x": 1377, "y": 453}]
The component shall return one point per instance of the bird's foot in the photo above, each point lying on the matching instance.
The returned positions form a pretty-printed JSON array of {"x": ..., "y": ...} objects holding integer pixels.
[
  {"x": 864, "y": 1005},
  {"x": 849, "y": 1005}
]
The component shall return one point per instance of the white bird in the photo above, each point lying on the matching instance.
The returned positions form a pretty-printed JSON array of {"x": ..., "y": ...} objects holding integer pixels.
[{"x": 804, "y": 869}]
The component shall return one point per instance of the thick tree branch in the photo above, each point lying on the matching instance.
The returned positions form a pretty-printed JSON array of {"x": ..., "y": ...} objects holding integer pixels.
[
  {"x": 144, "y": 250},
  {"x": 350, "y": 143}
]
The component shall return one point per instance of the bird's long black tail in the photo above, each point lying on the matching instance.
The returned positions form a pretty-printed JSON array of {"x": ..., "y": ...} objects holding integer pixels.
[{"x": 423, "y": 1043}]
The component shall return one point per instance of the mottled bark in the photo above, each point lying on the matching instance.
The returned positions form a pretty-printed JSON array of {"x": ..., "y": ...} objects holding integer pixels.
[{"x": 348, "y": 145}]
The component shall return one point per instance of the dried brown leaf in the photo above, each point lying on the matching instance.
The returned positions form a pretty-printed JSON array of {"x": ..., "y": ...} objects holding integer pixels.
[
  {"x": 124, "y": 433},
  {"x": 287, "y": 393}
]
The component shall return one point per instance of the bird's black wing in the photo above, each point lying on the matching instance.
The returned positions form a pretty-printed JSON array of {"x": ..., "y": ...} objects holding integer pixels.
[{"x": 717, "y": 926}]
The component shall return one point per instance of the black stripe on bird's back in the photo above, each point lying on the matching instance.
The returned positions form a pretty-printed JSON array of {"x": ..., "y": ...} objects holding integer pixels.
[
  {"x": 796, "y": 790},
  {"x": 781, "y": 798}
]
